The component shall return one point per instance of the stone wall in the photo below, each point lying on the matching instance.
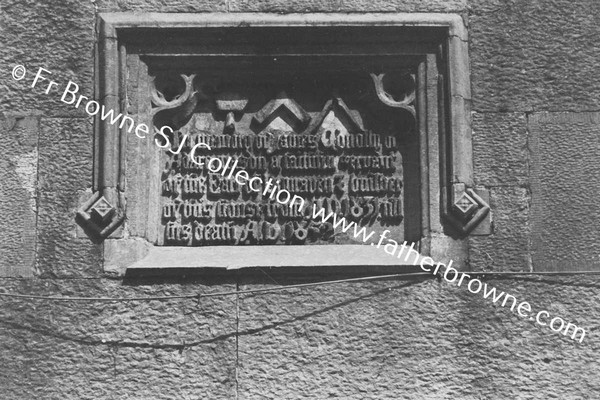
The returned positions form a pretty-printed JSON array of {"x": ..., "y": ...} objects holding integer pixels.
[{"x": 536, "y": 146}]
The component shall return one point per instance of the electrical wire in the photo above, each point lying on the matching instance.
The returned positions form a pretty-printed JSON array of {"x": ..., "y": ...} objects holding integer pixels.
[
  {"x": 199, "y": 296},
  {"x": 215, "y": 294},
  {"x": 516, "y": 273}
]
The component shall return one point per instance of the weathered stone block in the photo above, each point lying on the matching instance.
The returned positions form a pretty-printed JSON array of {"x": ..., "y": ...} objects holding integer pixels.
[
  {"x": 164, "y": 6},
  {"x": 56, "y": 36},
  {"x": 427, "y": 340},
  {"x": 500, "y": 154},
  {"x": 114, "y": 349},
  {"x": 507, "y": 249},
  {"x": 351, "y": 341},
  {"x": 565, "y": 212},
  {"x": 18, "y": 193},
  {"x": 65, "y": 171},
  {"x": 347, "y": 6},
  {"x": 535, "y": 55}
]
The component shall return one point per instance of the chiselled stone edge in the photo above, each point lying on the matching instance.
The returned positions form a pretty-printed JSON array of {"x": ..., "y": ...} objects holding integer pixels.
[
  {"x": 234, "y": 258},
  {"x": 111, "y": 22},
  {"x": 119, "y": 254}
]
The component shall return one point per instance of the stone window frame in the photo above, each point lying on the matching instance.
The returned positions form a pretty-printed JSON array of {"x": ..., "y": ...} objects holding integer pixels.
[{"x": 445, "y": 224}]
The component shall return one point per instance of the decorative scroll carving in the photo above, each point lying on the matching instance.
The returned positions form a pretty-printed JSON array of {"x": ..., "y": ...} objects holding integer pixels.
[
  {"x": 406, "y": 103},
  {"x": 177, "y": 111}
]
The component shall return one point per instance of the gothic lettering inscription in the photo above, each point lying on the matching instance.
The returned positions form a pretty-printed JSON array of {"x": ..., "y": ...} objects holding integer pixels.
[{"x": 327, "y": 157}]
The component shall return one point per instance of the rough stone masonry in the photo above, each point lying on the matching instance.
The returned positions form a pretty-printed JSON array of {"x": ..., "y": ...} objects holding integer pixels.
[{"x": 535, "y": 140}]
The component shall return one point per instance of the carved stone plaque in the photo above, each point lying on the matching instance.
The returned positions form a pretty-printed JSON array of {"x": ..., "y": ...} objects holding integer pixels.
[
  {"x": 308, "y": 140},
  {"x": 363, "y": 116}
]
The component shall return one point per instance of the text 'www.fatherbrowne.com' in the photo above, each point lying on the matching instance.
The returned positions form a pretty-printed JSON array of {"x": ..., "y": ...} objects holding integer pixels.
[{"x": 405, "y": 253}]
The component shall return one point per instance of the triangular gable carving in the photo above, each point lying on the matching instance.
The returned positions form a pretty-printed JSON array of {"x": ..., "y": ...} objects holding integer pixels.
[
  {"x": 285, "y": 109},
  {"x": 334, "y": 106}
]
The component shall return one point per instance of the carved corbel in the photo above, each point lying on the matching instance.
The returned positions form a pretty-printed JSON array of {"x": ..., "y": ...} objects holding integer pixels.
[
  {"x": 100, "y": 216},
  {"x": 465, "y": 210}
]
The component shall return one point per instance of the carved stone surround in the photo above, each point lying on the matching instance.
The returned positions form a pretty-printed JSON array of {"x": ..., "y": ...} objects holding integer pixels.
[{"x": 412, "y": 69}]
